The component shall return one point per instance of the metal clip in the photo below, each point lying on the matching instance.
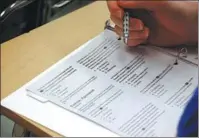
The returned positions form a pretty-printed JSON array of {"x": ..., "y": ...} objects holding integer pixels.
[{"x": 183, "y": 52}]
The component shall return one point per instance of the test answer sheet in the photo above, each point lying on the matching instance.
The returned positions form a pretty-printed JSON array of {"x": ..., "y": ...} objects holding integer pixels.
[{"x": 138, "y": 92}]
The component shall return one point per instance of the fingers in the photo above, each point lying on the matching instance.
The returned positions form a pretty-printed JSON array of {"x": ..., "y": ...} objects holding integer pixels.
[
  {"x": 148, "y": 5},
  {"x": 136, "y": 37},
  {"x": 133, "y": 43},
  {"x": 135, "y": 24},
  {"x": 138, "y": 33},
  {"x": 114, "y": 9}
]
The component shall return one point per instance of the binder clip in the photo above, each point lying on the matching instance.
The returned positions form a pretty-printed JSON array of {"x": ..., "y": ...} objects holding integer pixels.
[
  {"x": 184, "y": 52},
  {"x": 181, "y": 53}
]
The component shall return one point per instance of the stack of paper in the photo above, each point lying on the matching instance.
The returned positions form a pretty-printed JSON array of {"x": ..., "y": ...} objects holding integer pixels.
[{"x": 106, "y": 89}]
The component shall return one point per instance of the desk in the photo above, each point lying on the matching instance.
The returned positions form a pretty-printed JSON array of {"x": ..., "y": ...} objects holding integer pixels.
[{"x": 26, "y": 56}]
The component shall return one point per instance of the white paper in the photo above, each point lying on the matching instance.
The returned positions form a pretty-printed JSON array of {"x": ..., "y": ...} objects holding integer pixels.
[
  {"x": 51, "y": 116},
  {"x": 138, "y": 92},
  {"x": 186, "y": 53}
]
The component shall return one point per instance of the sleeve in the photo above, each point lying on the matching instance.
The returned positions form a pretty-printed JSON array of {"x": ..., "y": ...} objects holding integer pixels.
[{"x": 188, "y": 125}]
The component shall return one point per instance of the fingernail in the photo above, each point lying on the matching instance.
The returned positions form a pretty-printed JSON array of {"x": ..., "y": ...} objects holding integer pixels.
[{"x": 137, "y": 24}]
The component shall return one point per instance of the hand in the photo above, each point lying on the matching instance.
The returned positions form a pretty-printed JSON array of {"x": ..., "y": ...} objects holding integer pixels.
[{"x": 174, "y": 22}]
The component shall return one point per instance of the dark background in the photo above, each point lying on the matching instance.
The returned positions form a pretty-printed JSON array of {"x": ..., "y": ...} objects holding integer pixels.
[{"x": 34, "y": 15}]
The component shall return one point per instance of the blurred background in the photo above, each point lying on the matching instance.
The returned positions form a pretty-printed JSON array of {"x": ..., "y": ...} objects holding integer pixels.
[{"x": 21, "y": 16}]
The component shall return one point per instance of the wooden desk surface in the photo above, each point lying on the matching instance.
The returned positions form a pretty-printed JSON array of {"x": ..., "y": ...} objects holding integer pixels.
[{"x": 26, "y": 56}]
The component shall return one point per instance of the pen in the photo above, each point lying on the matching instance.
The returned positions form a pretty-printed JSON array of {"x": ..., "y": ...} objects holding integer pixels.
[
  {"x": 126, "y": 22},
  {"x": 141, "y": 14}
]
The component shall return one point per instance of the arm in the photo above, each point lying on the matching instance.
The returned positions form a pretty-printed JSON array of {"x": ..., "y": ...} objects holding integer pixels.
[{"x": 188, "y": 125}]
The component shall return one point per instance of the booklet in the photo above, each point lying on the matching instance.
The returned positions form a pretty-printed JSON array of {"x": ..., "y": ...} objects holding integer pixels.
[{"x": 133, "y": 92}]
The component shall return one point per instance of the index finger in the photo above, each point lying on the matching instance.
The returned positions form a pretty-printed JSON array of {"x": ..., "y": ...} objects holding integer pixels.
[
  {"x": 138, "y": 4},
  {"x": 114, "y": 8}
]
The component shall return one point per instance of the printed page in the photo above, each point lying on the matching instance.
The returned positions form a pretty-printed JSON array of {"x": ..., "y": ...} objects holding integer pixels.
[{"x": 137, "y": 92}]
